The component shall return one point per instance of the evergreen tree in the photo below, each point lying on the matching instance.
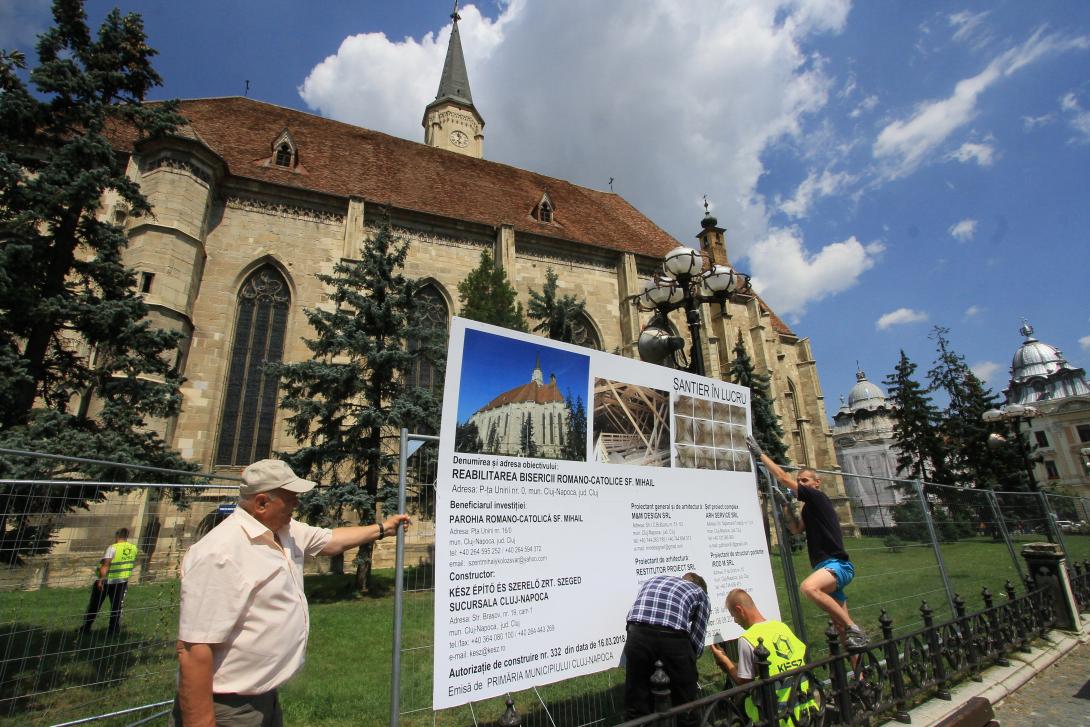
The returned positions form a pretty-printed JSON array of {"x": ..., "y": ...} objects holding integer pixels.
[
  {"x": 526, "y": 439},
  {"x": 467, "y": 439},
  {"x": 920, "y": 454},
  {"x": 575, "y": 430},
  {"x": 559, "y": 317},
  {"x": 349, "y": 400},
  {"x": 972, "y": 462},
  {"x": 486, "y": 296},
  {"x": 766, "y": 425},
  {"x": 82, "y": 370}
]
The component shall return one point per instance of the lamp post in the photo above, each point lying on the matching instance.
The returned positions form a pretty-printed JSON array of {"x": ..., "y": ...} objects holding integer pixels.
[
  {"x": 1013, "y": 415},
  {"x": 684, "y": 283}
]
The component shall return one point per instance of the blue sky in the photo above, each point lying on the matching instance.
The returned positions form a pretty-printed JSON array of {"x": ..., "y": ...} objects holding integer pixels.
[
  {"x": 492, "y": 365},
  {"x": 880, "y": 167}
]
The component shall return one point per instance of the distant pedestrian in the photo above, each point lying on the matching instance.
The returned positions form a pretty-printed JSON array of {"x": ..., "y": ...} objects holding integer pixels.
[
  {"x": 833, "y": 569},
  {"x": 114, "y": 571},
  {"x": 666, "y": 623}
]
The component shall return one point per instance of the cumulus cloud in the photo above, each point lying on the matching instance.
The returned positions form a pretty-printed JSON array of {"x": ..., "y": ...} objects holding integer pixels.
[
  {"x": 588, "y": 91},
  {"x": 813, "y": 188},
  {"x": 973, "y": 311},
  {"x": 963, "y": 231},
  {"x": 789, "y": 277},
  {"x": 1077, "y": 118},
  {"x": 1085, "y": 343},
  {"x": 900, "y": 317},
  {"x": 982, "y": 154},
  {"x": 985, "y": 370},
  {"x": 865, "y": 105},
  {"x": 906, "y": 143}
]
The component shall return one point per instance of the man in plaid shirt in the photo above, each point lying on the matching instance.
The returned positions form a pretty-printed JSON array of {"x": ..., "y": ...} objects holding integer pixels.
[{"x": 666, "y": 623}]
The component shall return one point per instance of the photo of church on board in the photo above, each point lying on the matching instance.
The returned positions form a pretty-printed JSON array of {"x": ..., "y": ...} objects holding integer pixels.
[{"x": 521, "y": 399}]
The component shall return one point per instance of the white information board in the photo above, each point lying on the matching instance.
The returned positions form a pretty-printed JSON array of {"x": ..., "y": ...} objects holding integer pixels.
[{"x": 568, "y": 477}]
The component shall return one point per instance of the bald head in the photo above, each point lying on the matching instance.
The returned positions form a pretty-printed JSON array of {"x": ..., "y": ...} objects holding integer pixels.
[{"x": 740, "y": 605}]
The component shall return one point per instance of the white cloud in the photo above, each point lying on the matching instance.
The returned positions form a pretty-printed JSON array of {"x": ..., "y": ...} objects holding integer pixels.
[
  {"x": 789, "y": 277},
  {"x": 900, "y": 317},
  {"x": 985, "y": 370},
  {"x": 906, "y": 143},
  {"x": 963, "y": 231},
  {"x": 973, "y": 311},
  {"x": 813, "y": 188},
  {"x": 1077, "y": 118},
  {"x": 588, "y": 91},
  {"x": 1032, "y": 122},
  {"x": 966, "y": 24},
  {"x": 865, "y": 105},
  {"x": 1085, "y": 343},
  {"x": 982, "y": 154}
]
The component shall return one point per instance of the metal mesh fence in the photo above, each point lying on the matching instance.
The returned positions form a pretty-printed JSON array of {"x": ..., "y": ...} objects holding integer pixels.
[{"x": 915, "y": 541}]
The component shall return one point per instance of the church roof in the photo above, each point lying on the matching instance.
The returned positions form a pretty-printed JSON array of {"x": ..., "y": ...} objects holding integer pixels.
[
  {"x": 454, "y": 83},
  {"x": 345, "y": 160},
  {"x": 529, "y": 393}
]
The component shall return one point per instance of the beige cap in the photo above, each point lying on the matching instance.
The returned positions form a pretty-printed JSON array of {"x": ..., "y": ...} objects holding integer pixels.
[{"x": 272, "y": 474}]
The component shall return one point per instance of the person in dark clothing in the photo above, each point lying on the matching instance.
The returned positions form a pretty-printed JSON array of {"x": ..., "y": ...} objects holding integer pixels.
[
  {"x": 666, "y": 623},
  {"x": 832, "y": 568}
]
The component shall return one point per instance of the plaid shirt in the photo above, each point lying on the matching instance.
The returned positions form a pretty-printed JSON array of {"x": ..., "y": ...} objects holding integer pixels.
[{"x": 671, "y": 602}]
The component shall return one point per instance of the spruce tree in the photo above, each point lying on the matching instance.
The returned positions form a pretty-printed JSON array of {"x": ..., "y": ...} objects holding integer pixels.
[
  {"x": 575, "y": 429},
  {"x": 485, "y": 295},
  {"x": 349, "y": 400},
  {"x": 766, "y": 425},
  {"x": 920, "y": 454},
  {"x": 82, "y": 370},
  {"x": 526, "y": 437},
  {"x": 558, "y": 317}
]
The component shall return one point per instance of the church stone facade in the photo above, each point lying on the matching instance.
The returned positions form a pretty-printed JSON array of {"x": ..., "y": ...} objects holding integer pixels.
[{"x": 251, "y": 201}]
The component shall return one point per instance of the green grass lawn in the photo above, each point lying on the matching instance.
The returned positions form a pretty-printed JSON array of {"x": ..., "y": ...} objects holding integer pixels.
[{"x": 44, "y": 666}]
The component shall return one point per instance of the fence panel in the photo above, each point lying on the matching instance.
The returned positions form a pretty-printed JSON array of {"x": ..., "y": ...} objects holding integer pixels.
[{"x": 55, "y": 664}]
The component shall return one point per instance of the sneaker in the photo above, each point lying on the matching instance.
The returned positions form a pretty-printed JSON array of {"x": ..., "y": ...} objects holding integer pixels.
[{"x": 856, "y": 639}]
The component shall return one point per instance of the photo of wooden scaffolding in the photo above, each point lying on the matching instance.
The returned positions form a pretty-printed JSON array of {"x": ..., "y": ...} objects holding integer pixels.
[
  {"x": 631, "y": 424},
  {"x": 710, "y": 435}
]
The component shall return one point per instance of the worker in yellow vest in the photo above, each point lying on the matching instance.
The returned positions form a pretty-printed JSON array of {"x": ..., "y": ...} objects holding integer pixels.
[
  {"x": 114, "y": 571},
  {"x": 785, "y": 652}
]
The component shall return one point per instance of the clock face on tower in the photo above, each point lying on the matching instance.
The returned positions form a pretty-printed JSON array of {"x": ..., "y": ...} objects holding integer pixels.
[{"x": 459, "y": 138}]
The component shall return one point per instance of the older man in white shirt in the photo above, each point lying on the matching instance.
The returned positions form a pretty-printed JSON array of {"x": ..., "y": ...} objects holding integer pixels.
[{"x": 243, "y": 625}]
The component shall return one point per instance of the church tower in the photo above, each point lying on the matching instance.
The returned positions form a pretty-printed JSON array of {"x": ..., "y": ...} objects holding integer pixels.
[{"x": 451, "y": 121}]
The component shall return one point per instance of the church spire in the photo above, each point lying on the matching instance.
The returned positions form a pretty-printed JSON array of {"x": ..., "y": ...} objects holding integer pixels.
[
  {"x": 454, "y": 83},
  {"x": 451, "y": 121}
]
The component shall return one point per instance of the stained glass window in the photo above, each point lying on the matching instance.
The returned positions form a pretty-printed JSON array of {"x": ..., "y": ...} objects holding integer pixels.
[{"x": 249, "y": 409}]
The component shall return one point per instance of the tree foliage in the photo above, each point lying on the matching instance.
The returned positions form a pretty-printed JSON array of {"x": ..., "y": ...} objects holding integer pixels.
[
  {"x": 920, "y": 452},
  {"x": 766, "y": 425},
  {"x": 349, "y": 400},
  {"x": 485, "y": 295},
  {"x": 560, "y": 317},
  {"x": 82, "y": 370},
  {"x": 575, "y": 430},
  {"x": 971, "y": 461}
]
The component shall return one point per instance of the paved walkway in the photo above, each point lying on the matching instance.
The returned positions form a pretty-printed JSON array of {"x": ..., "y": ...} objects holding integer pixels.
[{"x": 1057, "y": 697}]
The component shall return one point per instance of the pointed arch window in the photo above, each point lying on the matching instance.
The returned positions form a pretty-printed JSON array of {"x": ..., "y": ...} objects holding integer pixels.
[
  {"x": 432, "y": 313},
  {"x": 283, "y": 155},
  {"x": 584, "y": 334},
  {"x": 544, "y": 210},
  {"x": 249, "y": 409}
]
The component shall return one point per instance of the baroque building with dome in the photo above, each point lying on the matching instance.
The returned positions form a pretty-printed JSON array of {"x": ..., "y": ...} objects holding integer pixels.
[
  {"x": 1041, "y": 377},
  {"x": 865, "y": 445},
  {"x": 252, "y": 200}
]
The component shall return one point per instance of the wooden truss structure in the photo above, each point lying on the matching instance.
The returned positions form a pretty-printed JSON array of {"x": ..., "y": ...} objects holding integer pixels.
[{"x": 631, "y": 424}]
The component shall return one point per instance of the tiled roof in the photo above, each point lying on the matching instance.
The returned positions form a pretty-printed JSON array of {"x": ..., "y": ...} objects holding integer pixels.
[
  {"x": 345, "y": 160},
  {"x": 531, "y": 392}
]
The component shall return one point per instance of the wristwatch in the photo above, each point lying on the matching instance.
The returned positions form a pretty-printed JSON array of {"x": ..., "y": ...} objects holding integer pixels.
[{"x": 381, "y": 531}]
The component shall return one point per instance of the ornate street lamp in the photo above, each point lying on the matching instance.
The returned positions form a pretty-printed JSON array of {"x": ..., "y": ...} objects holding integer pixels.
[
  {"x": 684, "y": 283},
  {"x": 1013, "y": 415}
]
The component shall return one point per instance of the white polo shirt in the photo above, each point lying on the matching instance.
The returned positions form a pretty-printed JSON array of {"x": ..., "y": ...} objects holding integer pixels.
[{"x": 243, "y": 594}]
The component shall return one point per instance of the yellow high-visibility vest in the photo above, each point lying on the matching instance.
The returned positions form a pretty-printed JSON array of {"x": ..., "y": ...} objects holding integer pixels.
[
  {"x": 122, "y": 563},
  {"x": 785, "y": 652}
]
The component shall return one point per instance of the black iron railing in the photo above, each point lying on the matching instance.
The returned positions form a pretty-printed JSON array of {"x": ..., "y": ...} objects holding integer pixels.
[
  {"x": 883, "y": 681},
  {"x": 1079, "y": 574}
]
